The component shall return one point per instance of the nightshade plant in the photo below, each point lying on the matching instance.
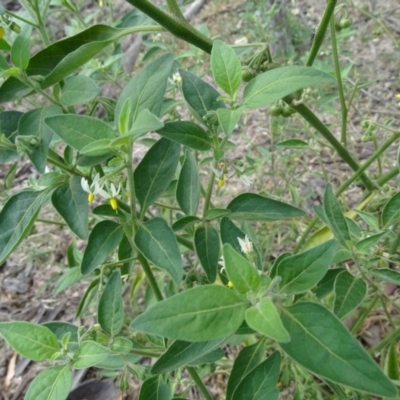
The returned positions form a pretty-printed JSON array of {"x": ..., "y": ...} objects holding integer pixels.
[{"x": 205, "y": 280}]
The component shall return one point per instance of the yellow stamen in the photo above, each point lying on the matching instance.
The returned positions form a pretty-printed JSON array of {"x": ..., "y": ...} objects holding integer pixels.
[
  {"x": 229, "y": 284},
  {"x": 221, "y": 183},
  {"x": 398, "y": 95},
  {"x": 90, "y": 197},
  {"x": 114, "y": 203}
]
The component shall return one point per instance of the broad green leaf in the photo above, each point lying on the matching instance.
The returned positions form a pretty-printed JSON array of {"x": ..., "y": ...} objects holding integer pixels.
[
  {"x": 32, "y": 123},
  {"x": 391, "y": 211},
  {"x": 20, "y": 50},
  {"x": 111, "y": 307},
  {"x": 321, "y": 343},
  {"x": 51, "y": 384},
  {"x": 117, "y": 361},
  {"x": 264, "y": 318},
  {"x": 185, "y": 315},
  {"x": 90, "y": 353},
  {"x": 60, "y": 328},
  {"x": 391, "y": 363},
  {"x": 3, "y": 62},
  {"x": 208, "y": 358},
  {"x": 241, "y": 272},
  {"x": 155, "y": 389},
  {"x": 184, "y": 222},
  {"x": 387, "y": 275},
  {"x": 200, "y": 96},
  {"x": 293, "y": 144},
  {"x": 97, "y": 149},
  {"x": 334, "y": 215},
  {"x": 369, "y": 219},
  {"x": 8, "y": 126},
  {"x": 156, "y": 171},
  {"x": 253, "y": 207},
  {"x": 303, "y": 271},
  {"x": 122, "y": 345},
  {"x": 228, "y": 119},
  {"x": 17, "y": 218},
  {"x": 146, "y": 89},
  {"x": 71, "y": 276},
  {"x": 79, "y": 89},
  {"x": 79, "y": 130},
  {"x": 248, "y": 358},
  {"x": 188, "y": 188},
  {"x": 365, "y": 245},
  {"x": 349, "y": 293},
  {"x": 275, "y": 84},
  {"x": 125, "y": 251},
  {"x": 187, "y": 133},
  {"x": 226, "y": 67},
  {"x": 87, "y": 297},
  {"x": 103, "y": 239},
  {"x": 182, "y": 353},
  {"x": 32, "y": 341},
  {"x": 215, "y": 213},
  {"x": 156, "y": 240},
  {"x": 260, "y": 383},
  {"x": 326, "y": 284},
  {"x": 70, "y": 200}
]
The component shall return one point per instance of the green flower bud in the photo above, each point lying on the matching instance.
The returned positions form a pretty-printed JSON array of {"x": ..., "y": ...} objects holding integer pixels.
[
  {"x": 276, "y": 110},
  {"x": 345, "y": 23}
]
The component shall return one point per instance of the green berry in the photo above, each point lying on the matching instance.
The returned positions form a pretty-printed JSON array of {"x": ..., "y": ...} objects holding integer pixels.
[
  {"x": 247, "y": 75},
  {"x": 345, "y": 23},
  {"x": 276, "y": 110}
]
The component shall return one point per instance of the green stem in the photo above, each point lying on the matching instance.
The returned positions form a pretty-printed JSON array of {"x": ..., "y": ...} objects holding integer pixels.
[
  {"x": 394, "y": 245},
  {"x": 146, "y": 353},
  {"x": 40, "y": 25},
  {"x": 54, "y": 159},
  {"x": 150, "y": 277},
  {"x": 194, "y": 375},
  {"x": 48, "y": 221},
  {"x": 388, "y": 176},
  {"x": 361, "y": 318},
  {"x": 343, "y": 106},
  {"x": 314, "y": 121},
  {"x": 131, "y": 181},
  {"x": 305, "y": 234},
  {"x": 119, "y": 261},
  {"x": 209, "y": 189},
  {"x": 179, "y": 28},
  {"x": 321, "y": 31},
  {"x": 174, "y": 9},
  {"x": 16, "y": 16},
  {"x": 385, "y": 342},
  {"x": 185, "y": 242}
]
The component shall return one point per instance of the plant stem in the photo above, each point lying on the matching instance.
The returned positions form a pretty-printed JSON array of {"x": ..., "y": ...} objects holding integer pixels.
[
  {"x": 361, "y": 318},
  {"x": 56, "y": 160},
  {"x": 209, "y": 189},
  {"x": 40, "y": 25},
  {"x": 385, "y": 342},
  {"x": 179, "y": 28},
  {"x": 343, "y": 106},
  {"x": 150, "y": 277},
  {"x": 131, "y": 181},
  {"x": 194, "y": 375},
  {"x": 388, "y": 176},
  {"x": 305, "y": 234},
  {"x": 48, "y": 221},
  {"x": 320, "y": 33},
  {"x": 16, "y": 16},
  {"x": 174, "y": 9}
]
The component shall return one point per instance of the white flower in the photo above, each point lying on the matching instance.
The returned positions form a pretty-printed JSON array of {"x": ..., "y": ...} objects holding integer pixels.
[
  {"x": 245, "y": 245},
  {"x": 112, "y": 197},
  {"x": 94, "y": 188},
  {"x": 176, "y": 77}
]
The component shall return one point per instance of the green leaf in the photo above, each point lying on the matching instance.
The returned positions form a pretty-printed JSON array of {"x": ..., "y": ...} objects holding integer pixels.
[
  {"x": 8, "y": 126},
  {"x": 61, "y": 58},
  {"x": 320, "y": 343},
  {"x": 184, "y": 222},
  {"x": 184, "y": 315},
  {"x": 207, "y": 246},
  {"x": 71, "y": 276},
  {"x": 60, "y": 328},
  {"x": 226, "y": 67},
  {"x": 51, "y": 384},
  {"x": 17, "y": 218},
  {"x": 241, "y": 272},
  {"x": 103, "y": 239},
  {"x": 122, "y": 345},
  {"x": 369, "y": 219},
  {"x": 303, "y": 271},
  {"x": 32, "y": 123},
  {"x": 20, "y": 50},
  {"x": 156, "y": 171},
  {"x": 349, "y": 293},
  {"x": 155, "y": 389},
  {"x": 275, "y": 84},
  {"x": 387, "y": 275},
  {"x": 111, "y": 307},
  {"x": 156, "y": 240},
  {"x": 200, "y": 96},
  {"x": 326, "y": 284},
  {"x": 391, "y": 211},
  {"x": 365, "y": 245},
  {"x": 264, "y": 318},
  {"x": 182, "y": 353},
  {"x": 228, "y": 119},
  {"x": 70, "y": 200},
  {"x": 79, "y": 130},
  {"x": 253, "y": 207},
  {"x": 35, "y": 342},
  {"x": 293, "y": 144},
  {"x": 87, "y": 297},
  {"x": 215, "y": 213},
  {"x": 79, "y": 89},
  {"x": 260, "y": 383},
  {"x": 334, "y": 215},
  {"x": 187, "y": 133},
  {"x": 188, "y": 188},
  {"x": 90, "y": 353},
  {"x": 146, "y": 89},
  {"x": 97, "y": 149}
]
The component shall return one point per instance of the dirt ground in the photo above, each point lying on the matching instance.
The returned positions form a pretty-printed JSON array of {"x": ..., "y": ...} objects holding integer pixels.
[{"x": 27, "y": 278}]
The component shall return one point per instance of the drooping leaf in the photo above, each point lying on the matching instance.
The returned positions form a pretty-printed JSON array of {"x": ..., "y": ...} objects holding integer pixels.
[
  {"x": 199, "y": 314},
  {"x": 253, "y": 207},
  {"x": 248, "y": 358},
  {"x": 79, "y": 89},
  {"x": 226, "y": 67},
  {"x": 188, "y": 188},
  {"x": 32, "y": 341},
  {"x": 156, "y": 240},
  {"x": 103, "y": 239},
  {"x": 303, "y": 271},
  {"x": 71, "y": 276},
  {"x": 51, "y": 384},
  {"x": 349, "y": 293},
  {"x": 155, "y": 389},
  {"x": 90, "y": 353},
  {"x": 387, "y": 275},
  {"x": 391, "y": 211},
  {"x": 70, "y": 200},
  {"x": 187, "y": 133},
  {"x": 111, "y": 308},
  {"x": 275, "y": 84},
  {"x": 207, "y": 246},
  {"x": 156, "y": 171},
  {"x": 320, "y": 343}
]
